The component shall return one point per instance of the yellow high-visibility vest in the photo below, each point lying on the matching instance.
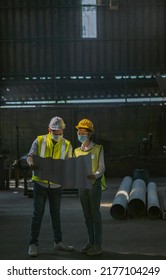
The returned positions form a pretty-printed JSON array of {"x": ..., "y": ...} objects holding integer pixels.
[
  {"x": 46, "y": 148},
  {"x": 95, "y": 154}
]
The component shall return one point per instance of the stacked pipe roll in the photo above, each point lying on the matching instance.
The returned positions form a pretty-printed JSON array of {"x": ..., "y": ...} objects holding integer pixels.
[
  {"x": 119, "y": 205},
  {"x": 153, "y": 206},
  {"x": 137, "y": 198}
]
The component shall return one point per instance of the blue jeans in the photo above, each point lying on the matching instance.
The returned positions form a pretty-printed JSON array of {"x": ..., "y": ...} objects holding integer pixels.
[
  {"x": 90, "y": 201},
  {"x": 40, "y": 195}
]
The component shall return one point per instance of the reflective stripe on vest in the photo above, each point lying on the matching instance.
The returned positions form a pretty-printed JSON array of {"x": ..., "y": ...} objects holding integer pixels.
[
  {"x": 43, "y": 148},
  {"x": 63, "y": 149}
]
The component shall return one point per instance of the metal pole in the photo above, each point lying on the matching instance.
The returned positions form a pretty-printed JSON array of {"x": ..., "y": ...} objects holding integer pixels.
[
  {"x": 137, "y": 198},
  {"x": 119, "y": 205},
  {"x": 153, "y": 206}
]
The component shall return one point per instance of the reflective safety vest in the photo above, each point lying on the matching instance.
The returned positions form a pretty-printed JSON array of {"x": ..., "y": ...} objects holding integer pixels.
[
  {"x": 95, "y": 155},
  {"x": 46, "y": 148}
]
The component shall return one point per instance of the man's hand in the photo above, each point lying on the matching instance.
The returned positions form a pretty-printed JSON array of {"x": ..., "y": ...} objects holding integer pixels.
[
  {"x": 91, "y": 177},
  {"x": 31, "y": 163}
]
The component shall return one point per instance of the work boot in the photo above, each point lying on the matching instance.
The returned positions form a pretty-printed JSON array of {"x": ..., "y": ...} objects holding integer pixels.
[
  {"x": 63, "y": 246},
  {"x": 32, "y": 251},
  {"x": 86, "y": 248},
  {"x": 94, "y": 250}
]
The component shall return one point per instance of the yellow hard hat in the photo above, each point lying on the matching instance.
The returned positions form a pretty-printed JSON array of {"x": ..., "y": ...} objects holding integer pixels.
[{"x": 85, "y": 123}]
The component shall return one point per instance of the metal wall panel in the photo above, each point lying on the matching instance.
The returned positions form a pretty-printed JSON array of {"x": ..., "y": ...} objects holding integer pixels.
[
  {"x": 145, "y": 39},
  {"x": 44, "y": 38}
]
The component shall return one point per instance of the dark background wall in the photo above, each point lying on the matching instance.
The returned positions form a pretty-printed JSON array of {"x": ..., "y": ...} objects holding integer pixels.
[
  {"x": 119, "y": 129},
  {"x": 41, "y": 50}
]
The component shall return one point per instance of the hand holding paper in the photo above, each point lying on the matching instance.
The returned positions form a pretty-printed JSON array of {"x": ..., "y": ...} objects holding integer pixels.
[{"x": 91, "y": 177}]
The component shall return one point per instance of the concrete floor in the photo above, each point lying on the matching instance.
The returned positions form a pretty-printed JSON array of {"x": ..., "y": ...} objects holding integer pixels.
[{"x": 130, "y": 238}]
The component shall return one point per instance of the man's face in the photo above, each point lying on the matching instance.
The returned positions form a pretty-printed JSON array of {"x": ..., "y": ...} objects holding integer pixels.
[{"x": 56, "y": 135}]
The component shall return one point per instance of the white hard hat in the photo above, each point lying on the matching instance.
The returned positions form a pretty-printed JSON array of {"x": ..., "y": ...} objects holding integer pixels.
[{"x": 57, "y": 123}]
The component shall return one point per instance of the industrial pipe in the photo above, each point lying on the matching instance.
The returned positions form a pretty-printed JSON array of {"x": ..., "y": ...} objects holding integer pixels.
[
  {"x": 119, "y": 205},
  {"x": 153, "y": 206},
  {"x": 137, "y": 198}
]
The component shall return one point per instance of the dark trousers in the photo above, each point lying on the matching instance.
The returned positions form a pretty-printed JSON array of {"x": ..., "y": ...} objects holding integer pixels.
[
  {"x": 40, "y": 195},
  {"x": 90, "y": 201}
]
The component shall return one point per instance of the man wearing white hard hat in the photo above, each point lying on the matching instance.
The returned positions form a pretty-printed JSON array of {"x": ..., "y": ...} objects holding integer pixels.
[{"x": 52, "y": 145}]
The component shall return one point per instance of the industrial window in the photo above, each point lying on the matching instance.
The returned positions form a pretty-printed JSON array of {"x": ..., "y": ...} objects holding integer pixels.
[{"x": 89, "y": 22}]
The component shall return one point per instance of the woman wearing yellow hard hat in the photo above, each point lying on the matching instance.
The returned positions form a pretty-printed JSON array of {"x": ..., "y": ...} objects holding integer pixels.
[{"x": 90, "y": 198}]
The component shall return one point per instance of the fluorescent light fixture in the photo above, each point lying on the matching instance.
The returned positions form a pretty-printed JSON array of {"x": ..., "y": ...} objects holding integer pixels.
[
  {"x": 133, "y": 77},
  {"x": 117, "y": 100},
  {"x": 80, "y": 101},
  {"x": 14, "y": 102},
  {"x": 17, "y": 106},
  {"x": 30, "y": 102},
  {"x": 73, "y": 77},
  {"x": 118, "y": 77},
  {"x": 126, "y": 77},
  {"x": 129, "y": 100}
]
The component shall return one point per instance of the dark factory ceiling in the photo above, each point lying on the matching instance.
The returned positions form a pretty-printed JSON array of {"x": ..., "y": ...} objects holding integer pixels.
[
  {"x": 70, "y": 52},
  {"x": 49, "y": 90}
]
